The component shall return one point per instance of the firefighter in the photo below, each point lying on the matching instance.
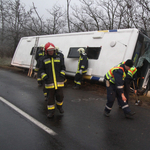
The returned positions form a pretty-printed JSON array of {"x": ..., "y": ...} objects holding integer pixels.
[
  {"x": 114, "y": 85},
  {"x": 58, "y": 52},
  {"x": 82, "y": 68},
  {"x": 38, "y": 57},
  {"x": 52, "y": 71}
]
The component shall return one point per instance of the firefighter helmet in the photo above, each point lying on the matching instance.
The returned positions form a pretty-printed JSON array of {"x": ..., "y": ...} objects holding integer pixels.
[
  {"x": 42, "y": 47},
  {"x": 81, "y": 50},
  {"x": 49, "y": 47},
  {"x": 57, "y": 48}
]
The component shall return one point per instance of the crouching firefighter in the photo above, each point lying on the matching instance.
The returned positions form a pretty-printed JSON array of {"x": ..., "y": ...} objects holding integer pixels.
[
  {"x": 82, "y": 68},
  {"x": 52, "y": 71},
  {"x": 114, "y": 85}
]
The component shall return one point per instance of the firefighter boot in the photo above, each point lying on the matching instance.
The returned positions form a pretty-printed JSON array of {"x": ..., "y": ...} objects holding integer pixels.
[
  {"x": 51, "y": 113},
  {"x": 39, "y": 83},
  {"x": 77, "y": 87},
  {"x": 107, "y": 114},
  {"x": 138, "y": 102},
  {"x": 60, "y": 109},
  {"x": 74, "y": 86},
  {"x": 129, "y": 115}
]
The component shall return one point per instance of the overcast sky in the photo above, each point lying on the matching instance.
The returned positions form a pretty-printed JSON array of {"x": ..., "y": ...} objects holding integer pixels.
[{"x": 43, "y": 5}]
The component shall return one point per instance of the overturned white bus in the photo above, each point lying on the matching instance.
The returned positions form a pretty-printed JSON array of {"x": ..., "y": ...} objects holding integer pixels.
[{"x": 105, "y": 49}]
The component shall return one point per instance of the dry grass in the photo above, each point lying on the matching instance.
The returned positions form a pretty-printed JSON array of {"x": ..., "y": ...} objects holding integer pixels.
[{"x": 5, "y": 61}]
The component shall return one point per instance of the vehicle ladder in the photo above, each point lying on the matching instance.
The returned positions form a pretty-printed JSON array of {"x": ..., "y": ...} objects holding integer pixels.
[{"x": 33, "y": 57}]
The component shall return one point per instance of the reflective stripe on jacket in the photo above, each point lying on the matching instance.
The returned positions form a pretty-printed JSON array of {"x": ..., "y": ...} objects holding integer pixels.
[
  {"x": 110, "y": 75},
  {"x": 132, "y": 71},
  {"x": 39, "y": 54},
  {"x": 121, "y": 63}
]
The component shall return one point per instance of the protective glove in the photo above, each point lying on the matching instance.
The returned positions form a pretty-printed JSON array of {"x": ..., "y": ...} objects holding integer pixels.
[
  {"x": 35, "y": 75},
  {"x": 81, "y": 72},
  {"x": 63, "y": 76}
]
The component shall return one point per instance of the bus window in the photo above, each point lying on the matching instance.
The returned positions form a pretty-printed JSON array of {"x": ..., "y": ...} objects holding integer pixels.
[
  {"x": 141, "y": 58},
  {"x": 73, "y": 52},
  {"x": 138, "y": 48},
  {"x": 37, "y": 50},
  {"x": 142, "y": 46},
  {"x": 93, "y": 52}
]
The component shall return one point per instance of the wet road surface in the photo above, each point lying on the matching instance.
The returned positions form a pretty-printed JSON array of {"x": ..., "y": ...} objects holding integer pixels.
[{"x": 82, "y": 127}]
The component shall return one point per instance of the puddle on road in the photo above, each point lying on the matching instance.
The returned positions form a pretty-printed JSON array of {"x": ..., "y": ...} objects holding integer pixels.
[{"x": 88, "y": 99}]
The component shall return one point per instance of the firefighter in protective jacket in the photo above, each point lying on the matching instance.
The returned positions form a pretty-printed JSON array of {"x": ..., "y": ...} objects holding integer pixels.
[
  {"x": 131, "y": 75},
  {"x": 82, "y": 68},
  {"x": 52, "y": 71},
  {"x": 114, "y": 85},
  {"x": 39, "y": 54}
]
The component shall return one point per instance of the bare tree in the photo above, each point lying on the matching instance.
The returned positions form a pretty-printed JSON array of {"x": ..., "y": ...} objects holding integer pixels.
[
  {"x": 2, "y": 17},
  {"x": 84, "y": 18},
  {"x": 56, "y": 23},
  {"x": 113, "y": 13},
  {"x": 144, "y": 16},
  {"x": 100, "y": 15},
  {"x": 80, "y": 20},
  {"x": 36, "y": 24},
  {"x": 2, "y": 22},
  {"x": 14, "y": 20},
  {"x": 145, "y": 4},
  {"x": 68, "y": 18}
]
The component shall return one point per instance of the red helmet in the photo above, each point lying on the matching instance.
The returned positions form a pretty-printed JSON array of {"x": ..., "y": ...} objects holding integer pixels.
[{"x": 49, "y": 47}]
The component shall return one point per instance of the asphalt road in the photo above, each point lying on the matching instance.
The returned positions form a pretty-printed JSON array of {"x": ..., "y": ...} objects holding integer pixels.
[{"x": 83, "y": 126}]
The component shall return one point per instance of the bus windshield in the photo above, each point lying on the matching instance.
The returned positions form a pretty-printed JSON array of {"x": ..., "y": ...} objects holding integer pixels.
[{"x": 142, "y": 50}]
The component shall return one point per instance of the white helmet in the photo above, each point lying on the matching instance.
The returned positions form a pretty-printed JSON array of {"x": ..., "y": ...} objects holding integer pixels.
[
  {"x": 81, "y": 50},
  {"x": 42, "y": 45},
  {"x": 57, "y": 48}
]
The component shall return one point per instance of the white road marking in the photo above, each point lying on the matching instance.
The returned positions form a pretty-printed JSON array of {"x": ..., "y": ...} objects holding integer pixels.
[{"x": 36, "y": 122}]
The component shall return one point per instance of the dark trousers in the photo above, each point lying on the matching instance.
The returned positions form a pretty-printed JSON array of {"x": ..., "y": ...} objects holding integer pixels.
[
  {"x": 78, "y": 78},
  {"x": 55, "y": 95},
  {"x": 127, "y": 89},
  {"x": 111, "y": 95}
]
